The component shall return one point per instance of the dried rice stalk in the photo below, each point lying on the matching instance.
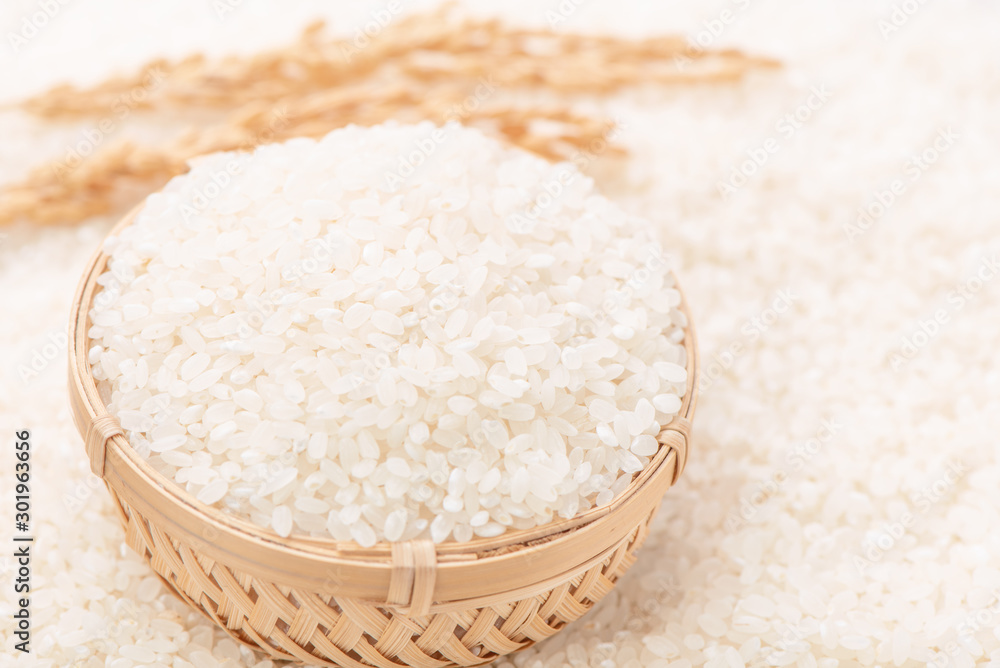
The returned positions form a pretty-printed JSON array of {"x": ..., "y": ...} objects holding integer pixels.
[{"x": 424, "y": 66}]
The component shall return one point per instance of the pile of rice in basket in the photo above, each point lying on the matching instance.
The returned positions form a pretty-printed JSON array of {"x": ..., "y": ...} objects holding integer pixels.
[{"x": 391, "y": 332}]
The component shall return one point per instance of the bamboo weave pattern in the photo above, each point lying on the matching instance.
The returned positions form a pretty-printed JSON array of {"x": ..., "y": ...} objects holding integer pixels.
[{"x": 326, "y": 630}]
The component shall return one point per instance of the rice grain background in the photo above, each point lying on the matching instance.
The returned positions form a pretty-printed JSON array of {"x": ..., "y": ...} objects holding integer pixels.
[{"x": 840, "y": 506}]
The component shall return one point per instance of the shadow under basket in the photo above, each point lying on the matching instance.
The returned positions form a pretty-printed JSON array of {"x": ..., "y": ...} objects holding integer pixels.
[{"x": 334, "y": 603}]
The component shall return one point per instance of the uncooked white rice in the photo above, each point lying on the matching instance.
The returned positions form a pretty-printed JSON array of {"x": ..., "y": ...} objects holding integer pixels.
[
  {"x": 391, "y": 332},
  {"x": 783, "y": 583}
]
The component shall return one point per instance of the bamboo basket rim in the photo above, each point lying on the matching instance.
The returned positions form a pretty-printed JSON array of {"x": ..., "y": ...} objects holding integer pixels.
[{"x": 343, "y": 567}]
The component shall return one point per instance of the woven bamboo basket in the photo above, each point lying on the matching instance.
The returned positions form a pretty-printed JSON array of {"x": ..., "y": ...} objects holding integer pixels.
[{"x": 333, "y": 603}]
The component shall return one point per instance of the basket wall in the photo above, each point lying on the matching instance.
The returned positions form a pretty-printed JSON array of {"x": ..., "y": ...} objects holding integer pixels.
[{"x": 328, "y": 630}]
